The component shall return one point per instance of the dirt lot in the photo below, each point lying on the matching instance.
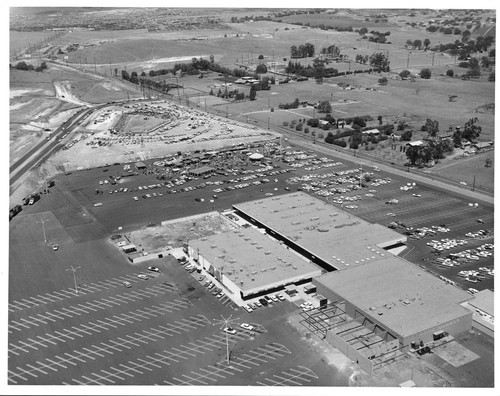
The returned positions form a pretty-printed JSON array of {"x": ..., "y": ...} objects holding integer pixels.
[{"x": 174, "y": 233}]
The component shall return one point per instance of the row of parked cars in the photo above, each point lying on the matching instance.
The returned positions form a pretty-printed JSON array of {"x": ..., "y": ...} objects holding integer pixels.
[{"x": 263, "y": 302}]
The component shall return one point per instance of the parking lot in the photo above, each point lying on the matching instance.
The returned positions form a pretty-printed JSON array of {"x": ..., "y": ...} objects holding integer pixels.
[{"x": 163, "y": 330}]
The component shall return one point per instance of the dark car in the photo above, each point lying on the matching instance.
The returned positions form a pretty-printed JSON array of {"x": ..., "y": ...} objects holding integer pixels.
[{"x": 264, "y": 302}]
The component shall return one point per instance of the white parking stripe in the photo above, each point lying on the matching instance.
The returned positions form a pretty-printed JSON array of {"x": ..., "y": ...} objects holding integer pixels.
[
  {"x": 98, "y": 325},
  {"x": 102, "y": 349},
  {"x": 104, "y": 378},
  {"x": 92, "y": 381},
  {"x": 27, "y": 372},
  {"x": 93, "y": 352},
  {"x": 66, "y": 360},
  {"x": 28, "y": 345},
  {"x": 56, "y": 363},
  {"x": 63, "y": 313},
  {"x": 148, "y": 363},
  {"x": 121, "y": 371},
  {"x": 46, "y": 366},
  {"x": 130, "y": 368},
  {"x": 18, "y": 324},
  {"x": 112, "y": 375},
  {"x": 45, "y": 340},
  {"x": 112, "y": 347}
]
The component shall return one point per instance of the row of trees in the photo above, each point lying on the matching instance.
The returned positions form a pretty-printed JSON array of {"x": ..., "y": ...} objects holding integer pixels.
[
  {"x": 22, "y": 65},
  {"x": 418, "y": 44},
  {"x": 318, "y": 69}
]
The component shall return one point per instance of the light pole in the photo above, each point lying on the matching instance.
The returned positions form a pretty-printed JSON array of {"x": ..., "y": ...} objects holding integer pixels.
[
  {"x": 226, "y": 324},
  {"x": 74, "y": 276},
  {"x": 43, "y": 228}
]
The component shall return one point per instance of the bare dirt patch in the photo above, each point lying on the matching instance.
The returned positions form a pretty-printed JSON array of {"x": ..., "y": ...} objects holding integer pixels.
[{"x": 174, "y": 233}]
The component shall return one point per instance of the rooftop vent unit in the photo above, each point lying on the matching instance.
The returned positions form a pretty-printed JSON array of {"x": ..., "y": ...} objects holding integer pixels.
[
  {"x": 267, "y": 253},
  {"x": 259, "y": 247},
  {"x": 314, "y": 218},
  {"x": 221, "y": 256},
  {"x": 203, "y": 239},
  {"x": 295, "y": 222},
  {"x": 213, "y": 246}
]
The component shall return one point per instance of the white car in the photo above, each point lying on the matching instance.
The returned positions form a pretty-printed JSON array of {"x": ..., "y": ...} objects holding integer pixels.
[
  {"x": 136, "y": 199},
  {"x": 280, "y": 297},
  {"x": 229, "y": 330},
  {"x": 127, "y": 284},
  {"x": 247, "y": 326},
  {"x": 247, "y": 308},
  {"x": 143, "y": 276},
  {"x": 274, "y": 298},
  {"x": 154, "y": 269}
]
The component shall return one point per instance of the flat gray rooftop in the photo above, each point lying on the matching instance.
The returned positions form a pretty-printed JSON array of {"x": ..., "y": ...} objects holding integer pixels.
[
  {"x": 398, "y": 293},
  {"x": 253, "y": 260},
  {"x": 327, "y": 232}
]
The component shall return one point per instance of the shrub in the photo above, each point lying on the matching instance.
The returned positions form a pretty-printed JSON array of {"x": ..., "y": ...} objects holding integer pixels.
[
  {"x": 285, "y": 123},
  {"x": 450, "y": 73},
  {"x": 299, "y": 126},
  {"x": 425, "y": 73}
]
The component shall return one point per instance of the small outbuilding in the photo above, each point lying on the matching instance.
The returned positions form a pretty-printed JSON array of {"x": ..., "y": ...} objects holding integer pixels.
[{"x": 140, "y": 165}]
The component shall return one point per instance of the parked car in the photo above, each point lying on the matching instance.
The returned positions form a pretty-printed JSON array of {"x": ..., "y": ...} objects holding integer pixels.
[
  {"x": 247, "y": 308},
  {"x": 143, "y": 276},
  {"x": 127, "y": 284},
  {"x": 154, "y": 269},
  {"x": 230, "y": 330},
  {"x": 247, "y": 326}
]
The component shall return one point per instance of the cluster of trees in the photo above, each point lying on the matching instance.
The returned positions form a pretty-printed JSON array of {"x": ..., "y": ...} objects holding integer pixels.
[
  {"x": 463, "y": 49},
  {"x": 318, "y": 69},
  {"x": 293, "y": 105},
  {"x": 433, "y": 150},
  {"x": 378, "y": 37},
  {"x": 331, "y": 50},
  {"x": 324, "y": 107},
  {"x": 380, "y": 62},
  {"x": 22, "y": 65},
  {"x": 362, "y": 59},
  {"x": 470, "y": 132},
  {"x": 302, "y": 51}
]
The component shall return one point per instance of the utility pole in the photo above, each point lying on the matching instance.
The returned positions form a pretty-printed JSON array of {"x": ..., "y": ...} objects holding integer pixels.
[
  {"x": 474, "y": 183},
  {"x": 408, "y": 60},
  {"x": 74, "y": 276}
]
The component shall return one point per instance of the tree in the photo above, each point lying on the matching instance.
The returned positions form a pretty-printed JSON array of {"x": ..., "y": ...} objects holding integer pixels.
[
  {"x": 471, "y": 130},
  {"x": 413, "y": 153},
  {"x": 404, "y": 74},
  {"x": 293, "y": 52},
  {"x": 212, "y": 59},
  {"x": 380, "y": 62},
  {"x": 382, "y": 81},
  {"x": 450, "y": 73},
  {"x": 379, "y": 118},
  {"x": 417, "y": 43},
  {"x": 261, "y": 69},
  {"x": 363, "y": 31},
  {"x": 427, "y": 42},
  {"x": 253, "y": 92},
  {"x": 406, "y": 135},
  {"x": 409, "y": 43},
  {"x": 324, "y": 107},
  {"x": 432, "y": 127},
  {"x": 425, "y": 73}
]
